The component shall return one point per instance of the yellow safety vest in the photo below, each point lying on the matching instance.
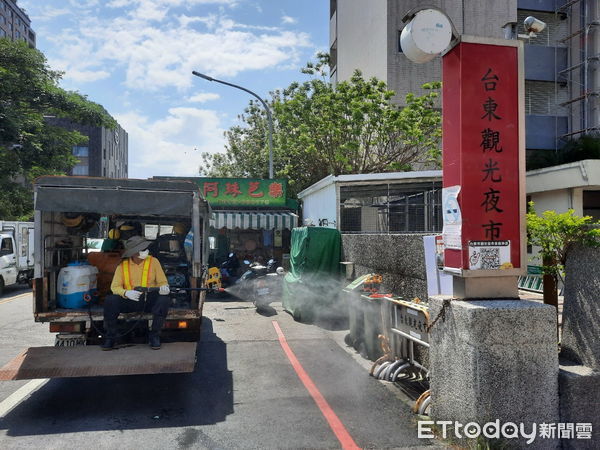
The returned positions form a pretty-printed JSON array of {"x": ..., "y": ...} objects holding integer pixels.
[{"x": 127, "y": 273}]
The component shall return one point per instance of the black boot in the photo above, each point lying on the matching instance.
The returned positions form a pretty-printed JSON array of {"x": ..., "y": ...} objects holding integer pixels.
[
  {"x": 110, "y": 333},
  {"x": 154, "y": 341},
  {"x": 154, "y": 335},
  {"x": 108, "y": 344}
]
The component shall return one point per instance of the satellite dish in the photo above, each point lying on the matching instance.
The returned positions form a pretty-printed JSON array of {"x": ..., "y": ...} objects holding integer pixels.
[{"x": 427, "y": 35}]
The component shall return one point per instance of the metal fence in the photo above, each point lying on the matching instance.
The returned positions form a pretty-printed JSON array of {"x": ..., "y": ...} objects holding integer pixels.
[{"x": 391, "y": 208}]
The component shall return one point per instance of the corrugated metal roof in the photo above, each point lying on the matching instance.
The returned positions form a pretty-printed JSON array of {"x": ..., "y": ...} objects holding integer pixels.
[{"x": 365, "y": 177}]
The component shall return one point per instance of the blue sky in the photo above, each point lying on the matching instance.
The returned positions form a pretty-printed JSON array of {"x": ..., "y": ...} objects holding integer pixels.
[{"x": 135, "y": 57}]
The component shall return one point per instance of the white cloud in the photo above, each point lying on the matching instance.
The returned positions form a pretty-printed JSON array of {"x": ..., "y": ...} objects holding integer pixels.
[
  {"x": 171, "y": 145},
  {"x": 88, "y": 76},
  {"x": 203, "y": 97},
  {"x": 164, "y": 3},
  {"x": 162, "y": 56},
  {"x": 49, "y": 13},
  {"x": 288, "y": 20}
]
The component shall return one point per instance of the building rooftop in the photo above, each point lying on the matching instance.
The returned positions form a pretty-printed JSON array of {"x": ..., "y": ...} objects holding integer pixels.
[{"x": 369, "y": 177}]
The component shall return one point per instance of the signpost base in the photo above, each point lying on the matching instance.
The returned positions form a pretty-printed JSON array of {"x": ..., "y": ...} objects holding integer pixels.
[{"x": 485, "y": 287}]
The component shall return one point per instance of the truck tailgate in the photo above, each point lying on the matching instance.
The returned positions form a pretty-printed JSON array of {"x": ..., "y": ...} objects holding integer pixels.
[{"x": 90, "y": 361}]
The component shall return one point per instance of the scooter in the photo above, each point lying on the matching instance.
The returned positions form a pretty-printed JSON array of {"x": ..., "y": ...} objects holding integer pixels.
[
  {"x": 229, "y": 270},
  {"x": 263, "y": 285}
]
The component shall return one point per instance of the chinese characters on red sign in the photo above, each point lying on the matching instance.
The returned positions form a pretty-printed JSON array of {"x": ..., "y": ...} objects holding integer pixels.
[{"x": 482, "y": 154}]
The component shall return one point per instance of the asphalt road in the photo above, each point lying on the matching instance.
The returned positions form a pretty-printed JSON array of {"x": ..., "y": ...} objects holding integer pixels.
[{"x": 244, "y": 393}]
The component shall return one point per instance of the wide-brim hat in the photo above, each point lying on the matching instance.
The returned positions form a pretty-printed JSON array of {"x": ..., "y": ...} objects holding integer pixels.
[{"x": 133, "y": 245}]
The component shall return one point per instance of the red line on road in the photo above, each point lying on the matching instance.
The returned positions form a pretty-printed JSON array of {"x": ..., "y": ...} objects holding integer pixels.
[{"x": 335, "y": 423}]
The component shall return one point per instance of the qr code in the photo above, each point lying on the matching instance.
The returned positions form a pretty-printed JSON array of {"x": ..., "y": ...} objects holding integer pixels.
[{"x": 490, "y": 258}]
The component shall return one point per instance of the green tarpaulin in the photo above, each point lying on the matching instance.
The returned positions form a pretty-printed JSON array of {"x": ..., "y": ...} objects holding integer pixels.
[{"x": 311, "y": 285}]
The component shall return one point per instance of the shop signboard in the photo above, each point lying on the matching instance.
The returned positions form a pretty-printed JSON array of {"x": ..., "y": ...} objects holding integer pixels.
[
  {"x": 483, "y": 170},
  {"x": 243, "y": 191}
]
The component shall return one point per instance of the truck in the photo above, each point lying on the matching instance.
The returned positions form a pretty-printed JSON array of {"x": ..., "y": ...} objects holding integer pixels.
[
  {"x": 68, "y": 212},
  {"x": 16, "y": 253}
]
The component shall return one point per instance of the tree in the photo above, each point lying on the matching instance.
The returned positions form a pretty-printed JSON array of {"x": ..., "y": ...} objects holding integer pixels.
[
  {"x": 585, "y": 147},
  {"x": 321, "y": 129},
  {"x": 555, "y": 234},
  {"x": 29, "y": 146}
]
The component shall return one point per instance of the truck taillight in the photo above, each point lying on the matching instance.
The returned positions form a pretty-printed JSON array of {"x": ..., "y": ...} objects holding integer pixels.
[
  {"x": 64, "y": 327},
  {"x": 181, "y": 324}
]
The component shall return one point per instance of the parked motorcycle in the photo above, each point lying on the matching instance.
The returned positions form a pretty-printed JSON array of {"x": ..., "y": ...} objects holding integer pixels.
[
  {"x": 229, "y": 270},
  {"x": 262, "y": 284}
]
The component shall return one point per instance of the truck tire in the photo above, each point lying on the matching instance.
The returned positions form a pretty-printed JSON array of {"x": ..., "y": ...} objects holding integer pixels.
[{"x": 1, "y": 285}]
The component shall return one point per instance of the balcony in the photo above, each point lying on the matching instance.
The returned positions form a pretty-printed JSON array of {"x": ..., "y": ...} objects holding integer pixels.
[
  {"x": 543, "y": 63},
  {"x": 543, "y": 131},
  {"x": 540, "y": 5}
]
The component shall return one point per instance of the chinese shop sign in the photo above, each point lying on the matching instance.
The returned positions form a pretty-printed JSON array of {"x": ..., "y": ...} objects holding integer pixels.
[
  {"x": 482, "y": 158},
  {"x": 243, "y": 191}
]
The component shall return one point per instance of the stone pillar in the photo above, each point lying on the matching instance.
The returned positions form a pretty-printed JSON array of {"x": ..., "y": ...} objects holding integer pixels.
[
  {"x": 581, "y": 312},
  {"x": 495, "y": 360},
  {"x": 579, "y": 380}
]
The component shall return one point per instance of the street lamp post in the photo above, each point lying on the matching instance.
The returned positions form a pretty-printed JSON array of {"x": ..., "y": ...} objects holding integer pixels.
[{"x": 269, "y": 116}]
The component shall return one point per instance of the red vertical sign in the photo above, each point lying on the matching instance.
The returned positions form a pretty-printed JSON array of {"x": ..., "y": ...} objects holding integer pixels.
[{"x": 481, "y": 156}]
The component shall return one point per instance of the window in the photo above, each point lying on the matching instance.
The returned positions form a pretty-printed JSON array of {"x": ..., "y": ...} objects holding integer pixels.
[
  {"x": 81, "y": 169},
  {"x": 2, "y": 33},
  {"x": 80, "y": 151},
  {"x": 591, "y": 204},
  {"x": 17, "y": 35},
  {"x": 543, "y": 98},
  {"x": 7, "y": 247},
  {"x": 391, "y": 208}
]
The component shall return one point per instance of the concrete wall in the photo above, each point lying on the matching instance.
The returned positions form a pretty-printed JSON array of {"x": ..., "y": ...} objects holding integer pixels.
[
  {"x": 559, "y": 200},
  {"x": 361, "y": 38},
  {"x": 400, "y": 258},
  {"x": 321, "y": 205}
]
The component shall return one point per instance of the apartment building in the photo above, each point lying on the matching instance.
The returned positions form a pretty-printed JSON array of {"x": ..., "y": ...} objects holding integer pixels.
[
  {"x": 105, "y": 154},
  {"x": 562, "y": 80},
  {"x": 15, "y": 23}
]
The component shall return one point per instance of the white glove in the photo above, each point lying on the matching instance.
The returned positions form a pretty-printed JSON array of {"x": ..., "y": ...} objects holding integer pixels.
[
  {"x": 133, "y": 295},
  {"x": 164, "y": 290}
]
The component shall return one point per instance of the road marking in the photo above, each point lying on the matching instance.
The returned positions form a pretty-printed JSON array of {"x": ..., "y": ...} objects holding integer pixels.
[
  {"x": 335, "y": 423},
  {"x": 14, "y": 399},
  {"x": 6, "y": 300}
]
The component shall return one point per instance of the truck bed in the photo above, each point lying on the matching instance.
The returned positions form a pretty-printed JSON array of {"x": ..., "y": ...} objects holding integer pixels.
[
  {"x": 90, "y": 361},
  {"x": 79, "y": 315}
]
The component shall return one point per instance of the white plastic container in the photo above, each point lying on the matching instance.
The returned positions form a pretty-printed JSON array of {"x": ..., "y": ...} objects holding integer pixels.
[
  {"x": 75, "y": 284},
  {"x": 426, "y": 36}
]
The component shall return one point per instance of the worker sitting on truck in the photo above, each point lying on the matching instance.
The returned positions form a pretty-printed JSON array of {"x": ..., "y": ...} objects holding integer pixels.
[{"x": 138, "y": 269}]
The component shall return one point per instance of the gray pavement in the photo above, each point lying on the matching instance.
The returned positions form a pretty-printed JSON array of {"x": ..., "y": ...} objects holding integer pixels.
[
  {"x": 243, "y": 394},
  {"x": 18, "y": 330}
]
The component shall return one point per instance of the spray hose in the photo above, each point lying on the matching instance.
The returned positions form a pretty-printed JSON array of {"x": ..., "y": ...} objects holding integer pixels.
[{"x": 144, "y": 291}]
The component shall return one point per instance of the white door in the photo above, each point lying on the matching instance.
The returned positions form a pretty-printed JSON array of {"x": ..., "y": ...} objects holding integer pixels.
[
  {"x": 24, "y": 243},
  {"x": 8, "y": 261}
]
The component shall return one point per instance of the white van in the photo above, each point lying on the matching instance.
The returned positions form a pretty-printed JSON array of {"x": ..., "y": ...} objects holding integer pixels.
[{"x": 16, "y": 253}]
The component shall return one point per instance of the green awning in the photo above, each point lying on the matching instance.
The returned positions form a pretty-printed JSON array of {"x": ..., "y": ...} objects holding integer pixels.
[{"x": 254, "y": 220}]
